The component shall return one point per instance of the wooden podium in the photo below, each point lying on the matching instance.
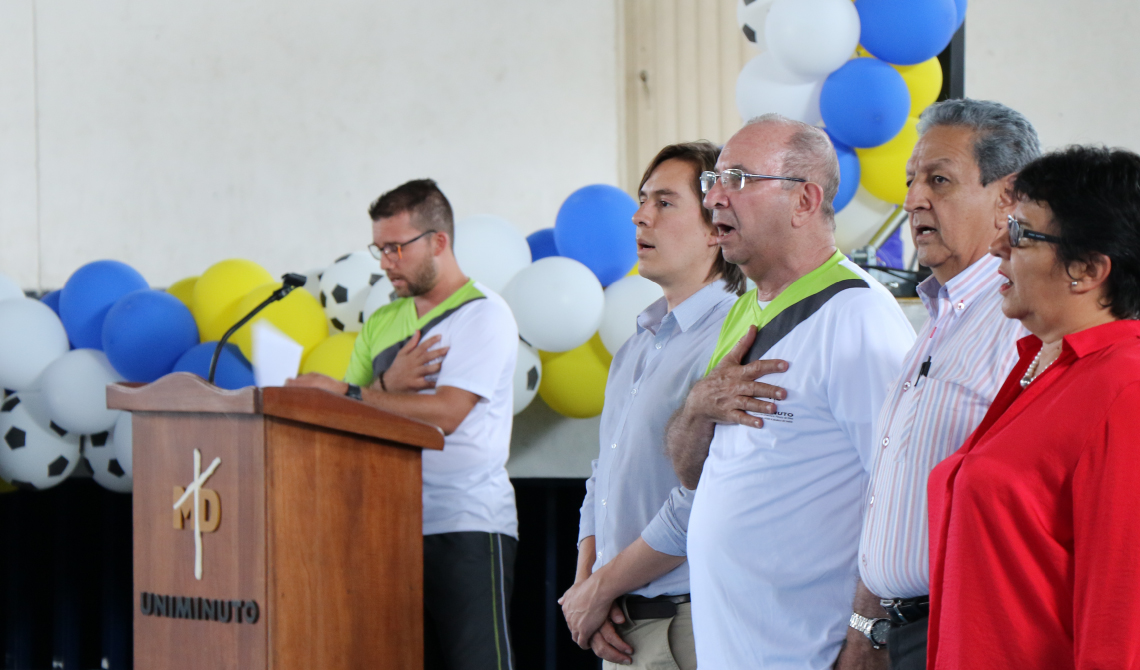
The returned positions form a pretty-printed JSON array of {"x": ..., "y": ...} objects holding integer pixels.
[{"x": 301, "y": 545}]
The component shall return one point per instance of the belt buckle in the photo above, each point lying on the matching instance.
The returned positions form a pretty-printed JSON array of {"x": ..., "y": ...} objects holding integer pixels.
[{"x": 892, "y": 609}]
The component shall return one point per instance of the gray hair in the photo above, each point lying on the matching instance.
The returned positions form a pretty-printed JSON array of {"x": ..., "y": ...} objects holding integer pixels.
[
  {"x": 1004, "y": 140},
  {"x": 808, "y": 155}
]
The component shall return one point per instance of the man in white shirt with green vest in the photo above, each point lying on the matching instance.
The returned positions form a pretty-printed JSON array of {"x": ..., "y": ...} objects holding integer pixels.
[
  {"x": 465, "y": 386},
  {"x": 776, "y": 517}
]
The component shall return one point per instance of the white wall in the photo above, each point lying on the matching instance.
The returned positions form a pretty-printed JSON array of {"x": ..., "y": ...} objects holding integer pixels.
[
  {"x": 1071, "y": 67},
  {"x": 171, "y": 135}
]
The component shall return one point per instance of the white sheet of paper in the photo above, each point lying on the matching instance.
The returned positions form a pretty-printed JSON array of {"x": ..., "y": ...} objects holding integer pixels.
[{"x": 276, "y": 357}]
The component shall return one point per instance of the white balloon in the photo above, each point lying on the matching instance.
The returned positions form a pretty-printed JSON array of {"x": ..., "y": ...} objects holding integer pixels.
[
  {"x": 34, "y": 452},
  {"x": 381, "y": 293},
  {"x": 860, "y": 220},
  {"x": 490, "y": 249},
  {"x": 765, "y": 86},
  {"x": 345, "y": 286},
  {"x": 31, "y": 337},
  {"x": 751, "y": 16},
  {"x": 557, "y": 303},
  {"x": 9, "y": 289},
  {"x": 102, "y": 456},
  {"x": 812, "y": 38},
  {"x": 625, "y": 299},
  {"x": 528, "y": 375},
  {"x": 75, "y": 388},
  {"x": 123, "y": 436}
]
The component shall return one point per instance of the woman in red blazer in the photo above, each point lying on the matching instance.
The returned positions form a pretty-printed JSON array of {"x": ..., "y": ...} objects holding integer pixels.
[{"x": 1034, "y": 527}]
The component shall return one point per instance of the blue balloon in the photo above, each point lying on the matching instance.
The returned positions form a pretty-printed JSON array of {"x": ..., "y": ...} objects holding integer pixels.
[
  {"x": 595, "y": 227},
  {"x": 864, "y": 103},
  {"x": 542, "y": 244},
  {"x": 234, "y": 371},
  {"x": 88, "y": 295},
  {"x": 960, "y": 8},
  {"x": 52, "y": 300},
  {"x": 907, "y": 32},
  {"x": 146, "y": 332},
  {"x": 849, "y": 173}
]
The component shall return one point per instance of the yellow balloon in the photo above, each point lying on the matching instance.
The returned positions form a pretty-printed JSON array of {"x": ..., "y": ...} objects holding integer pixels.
[
  {"x": 5, "y": 487},
  {"x": 574, "y": 382},
  {"x": 883, "y": 168},
  {"x": 299, "y": 316},
  {"x": 219, "y": 289},
  {"x": 183, "y": 289},
  {"x": 924, "y": 81},
  {"x": 331, "y": 357},
  {"x": 634, "y": 270}
]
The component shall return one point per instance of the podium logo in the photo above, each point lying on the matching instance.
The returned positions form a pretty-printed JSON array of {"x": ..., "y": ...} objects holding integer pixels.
[{"x": 200, "y": 504}]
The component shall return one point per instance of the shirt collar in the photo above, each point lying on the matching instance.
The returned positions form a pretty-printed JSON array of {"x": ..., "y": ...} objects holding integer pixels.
[
  {"x": 688, "y": 312},
  {"x": 1087, "y": 341},
  {"x": 963, "y": 288}
]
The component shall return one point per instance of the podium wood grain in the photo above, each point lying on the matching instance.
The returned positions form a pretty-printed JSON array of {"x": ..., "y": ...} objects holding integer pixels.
[{"x": 320, "y": 524}]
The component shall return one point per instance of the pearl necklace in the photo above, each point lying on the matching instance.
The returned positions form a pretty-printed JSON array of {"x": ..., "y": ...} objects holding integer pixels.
[{"x": 1031, "y": 372}]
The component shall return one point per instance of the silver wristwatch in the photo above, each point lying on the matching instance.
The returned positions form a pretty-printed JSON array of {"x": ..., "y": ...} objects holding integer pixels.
[{"x": 874, "y": 629}]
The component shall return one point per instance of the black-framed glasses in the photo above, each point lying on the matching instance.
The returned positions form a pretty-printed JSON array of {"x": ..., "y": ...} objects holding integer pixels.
[
  {"x": 733, "y": 179},
  {"x": 1017, "y": 234},
  {"x": 396, "y": 248}
]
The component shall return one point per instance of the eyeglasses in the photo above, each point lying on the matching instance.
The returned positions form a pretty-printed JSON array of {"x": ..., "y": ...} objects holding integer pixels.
[
  {"x": 1017, "y": 234},
  {"x": 396, "y": 248},
  {"x": 733, "y": 179}
]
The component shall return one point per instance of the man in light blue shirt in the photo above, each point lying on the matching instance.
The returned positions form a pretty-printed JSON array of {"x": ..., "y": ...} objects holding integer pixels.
[{"x": 630, "y": 601}]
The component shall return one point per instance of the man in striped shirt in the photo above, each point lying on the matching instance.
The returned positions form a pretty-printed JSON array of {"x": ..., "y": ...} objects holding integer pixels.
[{"x": 958, "y": 199}]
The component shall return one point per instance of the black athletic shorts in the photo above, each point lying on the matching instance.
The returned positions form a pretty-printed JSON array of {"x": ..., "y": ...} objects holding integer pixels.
[{"x": 467, "y": 591}]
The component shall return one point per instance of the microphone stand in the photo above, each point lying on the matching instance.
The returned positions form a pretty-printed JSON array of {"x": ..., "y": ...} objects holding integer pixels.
[{"x": 289, "y": 281}]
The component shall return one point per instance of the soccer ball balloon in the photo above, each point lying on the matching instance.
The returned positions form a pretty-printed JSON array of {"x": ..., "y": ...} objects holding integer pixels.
[
  {"x": 528, "y": 375},
  {"x": 102, "y": 456},
  {"x": 35, "y": 453},
  {"x": 344, "y": 289},
  {"x": 751, "y": 16}
]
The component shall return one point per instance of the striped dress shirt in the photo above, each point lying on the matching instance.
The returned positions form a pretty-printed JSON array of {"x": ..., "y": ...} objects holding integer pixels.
[{"x": 950, "y": 377}]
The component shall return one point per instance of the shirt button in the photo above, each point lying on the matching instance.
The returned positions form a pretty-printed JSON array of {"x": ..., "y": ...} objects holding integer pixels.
[
  {"x": 906, "y": 386},
  {"x": 633, "y": 392},
  {"x": 603, "y": 502},
  {"x": 864, "y": 557},
  {"x": 872, "y": 500},
  {"x": 613, "y": 446},
  {"x": 886, "y": 441},
  {"x": 658, "y": 345},
  {"x": 960, "y": 306},
  {"x": 600, "y": 555}
]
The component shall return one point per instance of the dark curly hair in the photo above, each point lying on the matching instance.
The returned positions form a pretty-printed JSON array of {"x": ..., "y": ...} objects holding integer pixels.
[{"x": 1094, "y": 194}]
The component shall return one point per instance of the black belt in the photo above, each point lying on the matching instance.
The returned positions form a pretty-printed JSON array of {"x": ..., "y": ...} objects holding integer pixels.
[
  {"x": 902, "y": 611},
  {"x": 661, "y": 607}
]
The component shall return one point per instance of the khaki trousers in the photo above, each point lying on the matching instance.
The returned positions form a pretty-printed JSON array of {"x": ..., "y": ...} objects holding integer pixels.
[{"x": 660, "y": 644}]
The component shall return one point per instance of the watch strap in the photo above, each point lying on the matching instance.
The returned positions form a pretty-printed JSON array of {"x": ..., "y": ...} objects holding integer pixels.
[
  {"x": 864, "y": 625},
  {"x": 353, "y": 391}
]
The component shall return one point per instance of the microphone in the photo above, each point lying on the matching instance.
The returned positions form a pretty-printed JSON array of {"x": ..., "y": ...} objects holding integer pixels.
[{"x": 289, "y": 281}]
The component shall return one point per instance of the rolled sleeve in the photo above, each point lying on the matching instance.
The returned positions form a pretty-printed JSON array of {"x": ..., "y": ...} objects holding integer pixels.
[
  {"x": 586, "y": 522},
  {"x": 668, "y": 531}
]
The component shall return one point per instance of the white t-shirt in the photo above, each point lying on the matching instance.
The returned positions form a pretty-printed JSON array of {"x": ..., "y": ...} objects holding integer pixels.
[
  {"x": 466, "y": 487},
  {"x": 775, "y": 523}
]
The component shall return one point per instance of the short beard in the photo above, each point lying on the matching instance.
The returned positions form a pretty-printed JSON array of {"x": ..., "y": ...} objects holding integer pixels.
[{"x": 420, "y": 280}]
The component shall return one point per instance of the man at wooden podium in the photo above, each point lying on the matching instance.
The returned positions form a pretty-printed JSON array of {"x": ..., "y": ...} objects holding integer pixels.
[{"x": 464, "y": 386}]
